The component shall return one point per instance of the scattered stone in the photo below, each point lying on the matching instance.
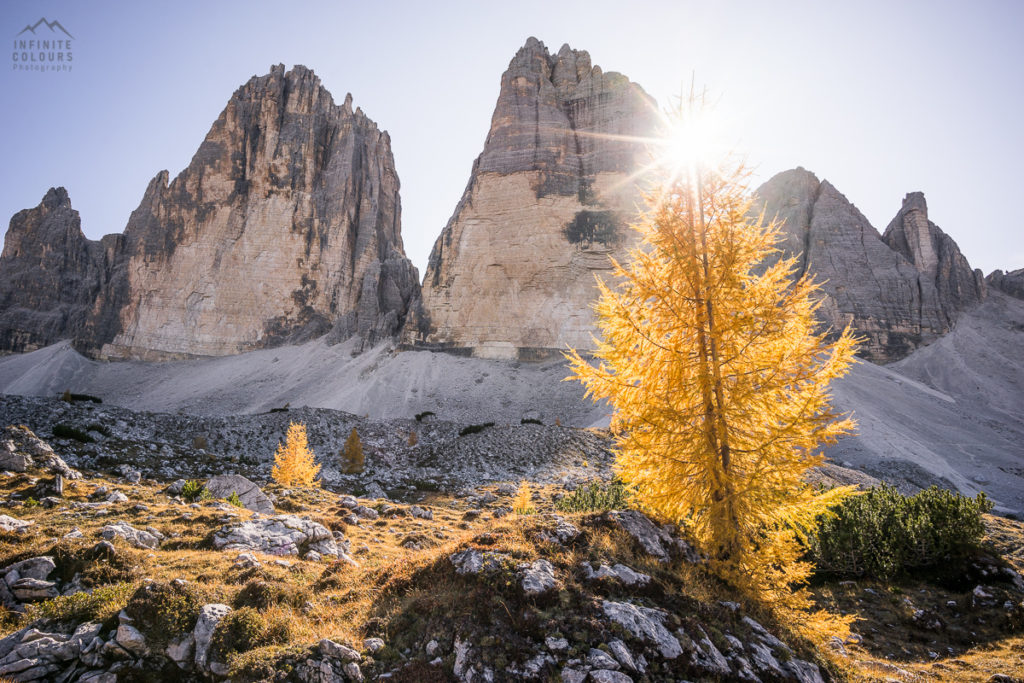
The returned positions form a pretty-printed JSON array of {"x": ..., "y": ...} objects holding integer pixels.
[
  {"x": 329, "y": 648},
  {"x": 644, "y": 623},
  {"x": 117, "y": 497},
  {"x": 8, "y": 523},
  {"x": 176, "y": 488},
  {"x": 33, "y": 568},
  {"x": 537, "y": 577},
  {"x": 375, "y": 645},
  {"x": 132, "y": 640},
  {"x": 21, "y": 449},
  {"x": 607, "y": 676},
  {"x": 556, "y": 644},
  {"x": 599, "y": 659},
  {"x": 619, "y": 572},
  {"x": 364, "y": 512},
  {"x": 655, "y": 541},
  {"x": 137, "y": 537},
  {"x": 473, "y": 561},
  {"x": 421, "y": 513},
  {"x": 32, "y": 590},
  {"x": 622, "y": 654}
]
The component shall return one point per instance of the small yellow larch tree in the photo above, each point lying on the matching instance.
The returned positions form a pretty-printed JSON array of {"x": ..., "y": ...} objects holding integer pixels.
[{"x": 294, "y": 462}]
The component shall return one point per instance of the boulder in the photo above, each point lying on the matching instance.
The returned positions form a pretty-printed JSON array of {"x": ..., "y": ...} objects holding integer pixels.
[
  {"x": 209, "y": 616},
  {"x": 223, "y": 485},
  {"x": 279, "y": 535},
  {"x": 21, "y": 449},
  {"x": 139, "y": 538},
  {"x": 644, "y": 623}
]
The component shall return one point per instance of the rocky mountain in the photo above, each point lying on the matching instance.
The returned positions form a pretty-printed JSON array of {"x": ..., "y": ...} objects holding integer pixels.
[
  {"x": 548, "y": 199},
  {"x": 286, "y": 225},
  {"x": 1011, "y": 283},
  {"x": 51, "y": 275},
  {"x": 899, "y": 290}
]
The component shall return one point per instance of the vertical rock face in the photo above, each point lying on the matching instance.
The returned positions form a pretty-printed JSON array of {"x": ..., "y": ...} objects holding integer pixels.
[
  {"x": 547, "y": 203},
  {"x": 945, "y": 275},
  {"x": 286, "y": 224},
  {"x": 1011, "y": 283},
  {"x": 50, "y": 275},
  {"x": 899, "y": 291}
]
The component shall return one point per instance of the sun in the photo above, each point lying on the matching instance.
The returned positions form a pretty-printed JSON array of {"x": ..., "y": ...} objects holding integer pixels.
[{"x": 691, "y": 141}]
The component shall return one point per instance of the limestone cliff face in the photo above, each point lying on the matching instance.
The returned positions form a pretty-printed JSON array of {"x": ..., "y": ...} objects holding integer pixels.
[
  {"x": 50, "y": 275},
  {"x": 286, "y": 224},
  {"x": 547, "y": 203},
  {"x": 899, "y": 290}
]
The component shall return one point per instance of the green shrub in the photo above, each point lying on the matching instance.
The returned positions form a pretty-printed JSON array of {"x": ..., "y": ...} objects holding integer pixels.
[
  {"x": 245, "y": 629},
  {"x": 596, "y": 496},
  {"x": 475, "y": 429},
  {"x": 164, "y": 611},
  {"x": 102, "y": 604},
  {"x": 194, "y": 490},
  {"x": 424, "y": 414},
  {"x": 530, "y": 421},
  {"x": 883, "y": 534},
  {"x": 64, "y": 431},
  {"x": 233, "y": 499}
]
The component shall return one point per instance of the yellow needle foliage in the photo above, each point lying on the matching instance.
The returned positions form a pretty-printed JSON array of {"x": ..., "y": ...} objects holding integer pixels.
[
  {"x": 718, "y": 375},
  {"x": 294, "y": 462}
]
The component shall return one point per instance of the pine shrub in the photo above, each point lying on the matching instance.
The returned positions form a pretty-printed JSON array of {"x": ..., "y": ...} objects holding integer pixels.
[
  {"x": 596, "y": 497},
  {"x": 885, "y": 535}
]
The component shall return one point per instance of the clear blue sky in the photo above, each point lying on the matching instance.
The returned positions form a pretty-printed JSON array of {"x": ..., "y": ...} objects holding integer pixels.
[{"x": 880, "y": 98}]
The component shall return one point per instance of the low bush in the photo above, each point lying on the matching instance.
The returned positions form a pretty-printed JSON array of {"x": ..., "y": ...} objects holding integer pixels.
[
  {"x": 233, "y": 499},
  {"x": 596, "y": 496},
  {"x": 101, "y": 604},
  {"x": 883, "y": 534},
  {"x": 425, "y": 414},
  {"x": 475, "y": 429},
  {"x": 164, "y": 611},
  {"x": 522, "y": 504},
  {"x": 194, "y": 490},
  {"x": 65, "y": 431},
  {"x": 245, "y": 629},
  {"x": 68, "y": 397},
  {"x": 530, "y": 421}
]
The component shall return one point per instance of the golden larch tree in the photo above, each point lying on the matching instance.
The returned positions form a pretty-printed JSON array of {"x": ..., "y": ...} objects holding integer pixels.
[
  {"x": 717, "y": 372},
  {"x": 294, "y": 462},
  {"x": 352, "y": 459}
]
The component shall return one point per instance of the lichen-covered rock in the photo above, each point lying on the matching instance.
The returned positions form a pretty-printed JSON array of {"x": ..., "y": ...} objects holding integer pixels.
[
  {"x": 547, "y": 203},
  {"x": 8, "y": 523},
  {"x": 279, "y": 535}
]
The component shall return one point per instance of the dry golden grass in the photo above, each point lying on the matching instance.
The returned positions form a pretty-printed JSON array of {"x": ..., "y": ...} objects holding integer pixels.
[{"x": 404, "y": 594}]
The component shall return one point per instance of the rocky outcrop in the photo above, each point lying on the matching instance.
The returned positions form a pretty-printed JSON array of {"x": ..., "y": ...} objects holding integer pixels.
[
  {"x": 285, "y": 226},
  {"x": 899, "y": 290},
  {"x": 1011, "y": 283},
  {"x": 50, "y": 274},
  {"x": 547, "y": 203}
]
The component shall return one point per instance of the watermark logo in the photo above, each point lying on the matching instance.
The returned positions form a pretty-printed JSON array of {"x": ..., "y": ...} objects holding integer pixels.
[{"x": 42, "y": 46}]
